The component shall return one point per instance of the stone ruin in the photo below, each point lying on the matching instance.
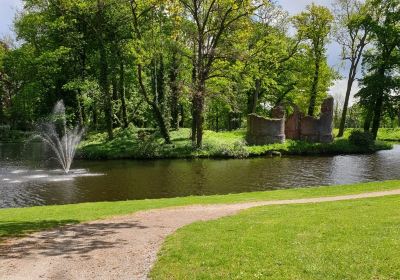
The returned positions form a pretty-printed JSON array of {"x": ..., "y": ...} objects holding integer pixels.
[{"x": 261, "y": 131}]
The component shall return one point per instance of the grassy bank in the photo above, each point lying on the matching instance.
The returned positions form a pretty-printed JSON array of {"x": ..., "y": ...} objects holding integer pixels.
[
  {"x": 136, "y": 143},
  {"x": 17, "y": 221},
  {"x": 337, "y": 240},
  {"x": 384, "y": 134}
]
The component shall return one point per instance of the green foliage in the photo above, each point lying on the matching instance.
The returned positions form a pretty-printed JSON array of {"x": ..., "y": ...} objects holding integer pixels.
[
  {"x": 389, "y": 134},
  {"x": 89, "y": 52},
  {"x": 7, "y": 135},
  {"x": 384, "y": 134},
  {"x": 145, "y": 143},
  {"x": 361, "y": 138}
]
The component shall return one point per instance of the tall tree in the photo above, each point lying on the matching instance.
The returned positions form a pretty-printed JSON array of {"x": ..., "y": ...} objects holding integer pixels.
[
  {"x": 314, "y": 25},
  {"x": 383, "y": 60},
  {"x": 352, "y": 30},
  {"x": 213, "y": 23},
  {"x": 142, "y": 12},
  {"x": 104, "y": 81}
]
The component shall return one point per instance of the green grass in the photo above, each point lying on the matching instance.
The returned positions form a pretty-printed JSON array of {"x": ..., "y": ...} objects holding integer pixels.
[
  {"x": 389, "y": 134},
  {"x": 129, "y": 144},
  {"x": 384, "y": 134},
  {"x": 19, "y": 221},
  {"x": 337, "y": 240}
]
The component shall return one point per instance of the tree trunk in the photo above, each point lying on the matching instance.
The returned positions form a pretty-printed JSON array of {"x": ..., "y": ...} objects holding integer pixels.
[
  {"x": 114, "y": 88},
  {"x": 314, "y": 89},
  {"x": 368, "y": 119},
  {"x": 346, "y": 100},
  {"x": 194, "y": 121},
  {"x": 398, "y": 117},
  {"x": 94, "y": 115},
  {"x": 194, "y": 100},
  {"x": 256, "y": 96},
  {"x": 79, "y": 108},
  {"x": 156, "y": 109},
  {"x": 182, "y": 112},
  {"x": 161, "y": 82},
  {"x": 2, "y": 117},
  {"x": 253, "y": 97},
  {"x": 378, "y": 105},
  {"x": 200, "y": 121},
  {"x": 105, "y": 89},
  {"x": 173, "y": 80},
  {"x": 103, "y": 77},
  {"x": 377, "y": 115},
  {"x": 122, "y": 94},
  {"x": 217, "y": 121},
  {"x": 160, "y": 119}
]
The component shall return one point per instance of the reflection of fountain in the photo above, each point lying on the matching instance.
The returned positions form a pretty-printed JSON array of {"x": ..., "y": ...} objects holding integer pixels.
[{"x": 62, "y": 141}]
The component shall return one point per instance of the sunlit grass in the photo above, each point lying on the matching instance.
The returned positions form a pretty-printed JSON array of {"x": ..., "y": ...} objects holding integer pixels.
[
  {"x": 336, "y": 240},
  {"x": 17, "y": 221}
]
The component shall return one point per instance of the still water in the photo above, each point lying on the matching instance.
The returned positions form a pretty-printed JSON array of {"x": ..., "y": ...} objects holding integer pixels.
[{"x": 29, "y": 177}]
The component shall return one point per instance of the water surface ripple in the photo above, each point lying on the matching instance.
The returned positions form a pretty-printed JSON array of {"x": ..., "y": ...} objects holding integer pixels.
[{"x": 25, "y": 183}]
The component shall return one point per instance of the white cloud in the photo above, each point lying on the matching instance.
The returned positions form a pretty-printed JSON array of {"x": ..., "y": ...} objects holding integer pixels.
[
  {"x": 296, "y": 6},
  {"x": 338, "y": 91},
  {"x": 8, "y": 9}
]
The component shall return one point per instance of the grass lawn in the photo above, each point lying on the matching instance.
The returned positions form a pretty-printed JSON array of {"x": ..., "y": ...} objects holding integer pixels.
[
  {"x": 18, "y": 221},
  {"x": 389, "y": 134},
  {"x": 357, "y": 239},
  {"x": 139, "y": 143},
  {"x": 384, "y": 134}
]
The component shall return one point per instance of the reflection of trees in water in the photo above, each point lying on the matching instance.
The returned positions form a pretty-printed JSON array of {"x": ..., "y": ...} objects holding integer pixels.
[
  {"x": 360, "y": 168},
  {"x": 305, "y": 171},
  {"x": 350, "y": 169},
  {"x": 171, "y": 178}
]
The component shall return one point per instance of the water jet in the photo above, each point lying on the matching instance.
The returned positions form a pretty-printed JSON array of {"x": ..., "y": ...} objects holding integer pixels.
[{"x": 55, "y": 134}]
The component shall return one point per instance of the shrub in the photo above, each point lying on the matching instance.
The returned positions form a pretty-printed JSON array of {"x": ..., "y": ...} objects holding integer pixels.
[{"x": 361, "y": 138}]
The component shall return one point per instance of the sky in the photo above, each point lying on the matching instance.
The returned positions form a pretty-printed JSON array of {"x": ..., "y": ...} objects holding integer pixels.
[{"x": 8, "y": 8}]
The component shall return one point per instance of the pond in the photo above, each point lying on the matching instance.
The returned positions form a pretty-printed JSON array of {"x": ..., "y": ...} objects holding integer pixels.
[{"x": 29, "y": 177}]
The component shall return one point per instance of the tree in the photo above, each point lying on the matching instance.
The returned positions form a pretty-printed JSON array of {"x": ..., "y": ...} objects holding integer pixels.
[
  {"x": 3, "y": 81},
  {"x": 352, "y": 22},
  {"x": 382, "y": 62},
  {"x": 141, "y": 12},
  {"x": 315, "y": 25},
  {"x": 213, "y": 23}
]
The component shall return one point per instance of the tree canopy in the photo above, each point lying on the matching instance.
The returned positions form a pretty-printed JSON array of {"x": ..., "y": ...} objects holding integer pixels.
[{"x": 189, "y": 63}]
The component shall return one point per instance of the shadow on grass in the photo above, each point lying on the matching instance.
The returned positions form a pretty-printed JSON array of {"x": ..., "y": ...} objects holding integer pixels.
[
  {"x": 66, "y": 241},
  {"x": 18, "y": 229}
]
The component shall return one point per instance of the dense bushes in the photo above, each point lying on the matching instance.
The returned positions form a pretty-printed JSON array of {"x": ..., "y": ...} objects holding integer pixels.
[
  {"x": 362, "y": 139},
  {"x": 145, "y": 144}
]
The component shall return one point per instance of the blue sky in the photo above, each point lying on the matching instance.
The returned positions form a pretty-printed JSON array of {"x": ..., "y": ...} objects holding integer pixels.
[{"x": 8, "y": 8}]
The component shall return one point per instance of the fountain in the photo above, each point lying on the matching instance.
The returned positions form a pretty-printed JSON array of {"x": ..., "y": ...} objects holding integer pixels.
[{"x": 62, "y": 140}]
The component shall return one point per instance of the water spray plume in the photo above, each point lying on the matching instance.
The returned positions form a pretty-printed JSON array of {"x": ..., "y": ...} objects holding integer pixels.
[{"x": 62, "y": 141}]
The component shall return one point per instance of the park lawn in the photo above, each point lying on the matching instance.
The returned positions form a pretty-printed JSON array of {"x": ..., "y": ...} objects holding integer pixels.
[
  {"x": 19, "y": 221},
  {"x": 357, "y": 239},
  {"x": 389, "y": 134},
  {"x": 384, "y": 133},
  {"x": 128, "y": 144}
]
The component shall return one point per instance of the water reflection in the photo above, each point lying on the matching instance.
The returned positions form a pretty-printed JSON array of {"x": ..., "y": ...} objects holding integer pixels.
[{"x": 26, "y": 183}]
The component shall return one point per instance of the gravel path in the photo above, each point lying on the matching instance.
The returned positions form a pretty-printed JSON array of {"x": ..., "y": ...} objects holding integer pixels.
[{"x": 123, "y": 247}]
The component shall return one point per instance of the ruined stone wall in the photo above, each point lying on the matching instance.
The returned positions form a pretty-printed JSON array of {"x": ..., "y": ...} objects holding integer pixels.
[
  {"x": 307, "y": 128},
  {"x": 261, "y": 131}
]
